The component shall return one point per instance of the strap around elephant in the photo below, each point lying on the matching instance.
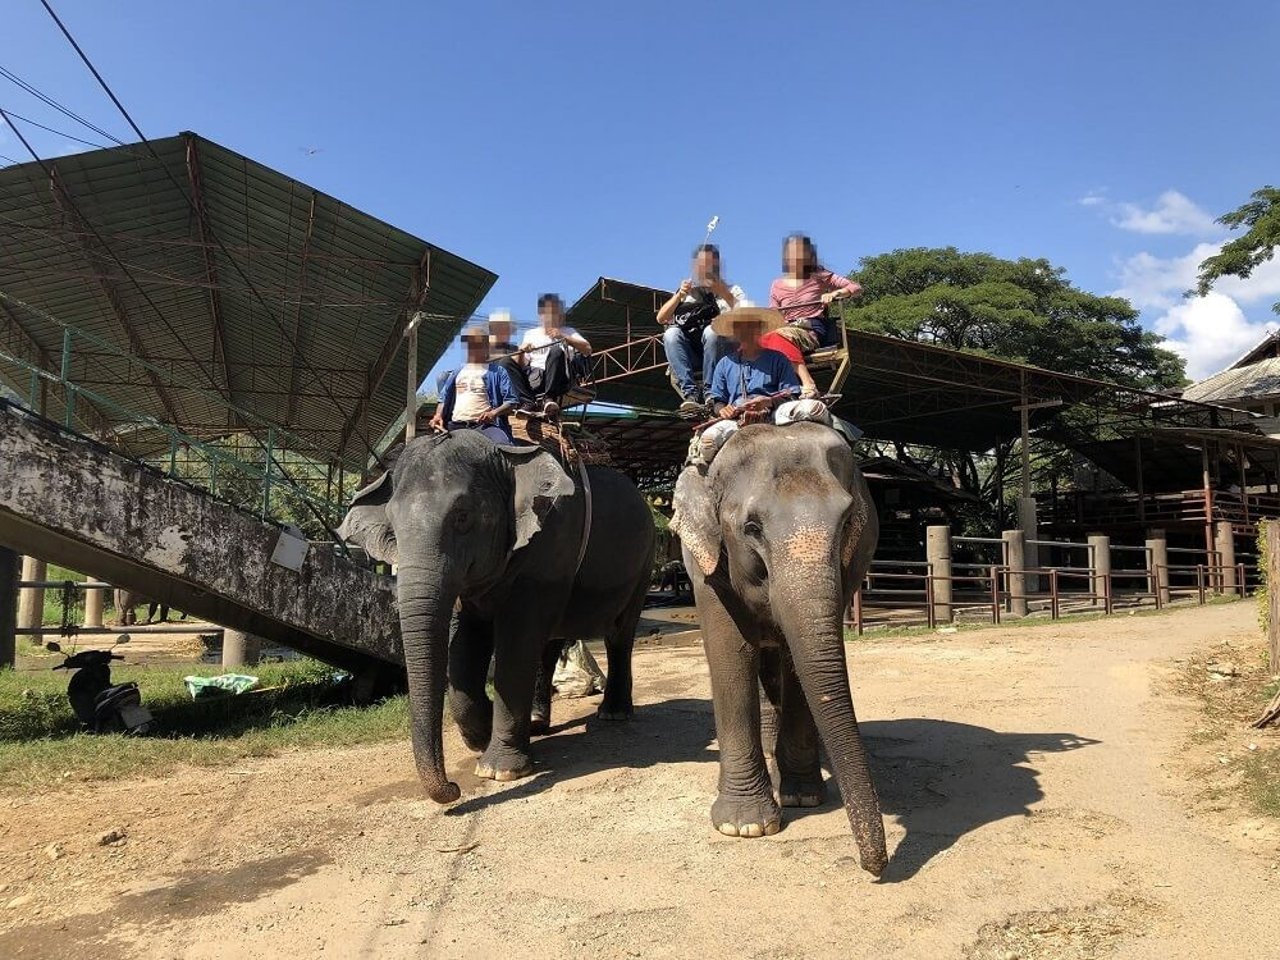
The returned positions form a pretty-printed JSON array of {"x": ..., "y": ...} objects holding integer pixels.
[{"x": 586, "y": 515}]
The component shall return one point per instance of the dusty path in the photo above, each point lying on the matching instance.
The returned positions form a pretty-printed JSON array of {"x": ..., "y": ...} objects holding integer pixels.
[{"x": 1033, "y": 781}]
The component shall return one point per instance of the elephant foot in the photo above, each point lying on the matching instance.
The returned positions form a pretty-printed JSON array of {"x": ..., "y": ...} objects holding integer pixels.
[
  {"x": 475, "y": 722},
  {"x": 539, "y": 726},
  {"x": 615, "y": 710},
  {"x": 802, "y": 791},
  {"x": 510, "y": 766},
  {"x": 746, "y": 816}
]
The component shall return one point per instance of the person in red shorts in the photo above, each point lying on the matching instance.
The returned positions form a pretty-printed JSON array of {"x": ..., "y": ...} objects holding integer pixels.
[{"x": 802, "y": 295}]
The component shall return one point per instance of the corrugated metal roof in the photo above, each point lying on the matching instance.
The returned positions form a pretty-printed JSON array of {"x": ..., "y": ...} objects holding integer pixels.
[
  {"x": 213, "y": 293},
  {"x": 1261, "y": 379}
]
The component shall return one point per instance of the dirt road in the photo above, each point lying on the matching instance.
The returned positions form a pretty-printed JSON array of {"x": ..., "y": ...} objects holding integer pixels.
[{"x": 1034, "y": 781}]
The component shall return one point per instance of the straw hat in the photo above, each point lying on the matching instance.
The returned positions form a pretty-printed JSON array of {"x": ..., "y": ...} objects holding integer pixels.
[
  {"x": 769, "y": 319},
  {"x": 475, "y": 332},
  {"x": 502, "y": 316}
]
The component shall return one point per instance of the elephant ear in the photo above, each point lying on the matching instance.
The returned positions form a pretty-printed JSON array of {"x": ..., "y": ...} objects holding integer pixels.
[
  {"x": 696, "y": 520},
  {"x": 540, "y": 483},
  {"x": 366, "y": 524}
]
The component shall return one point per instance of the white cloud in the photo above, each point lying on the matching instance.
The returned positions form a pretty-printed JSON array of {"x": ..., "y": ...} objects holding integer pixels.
[
  {"x": 1210, "y": 332},
  {"x": 1092, "y": 199},
  {"x": 1172, "y": 213}
]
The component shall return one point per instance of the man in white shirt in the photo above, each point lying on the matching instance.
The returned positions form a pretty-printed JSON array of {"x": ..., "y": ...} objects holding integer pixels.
[
  {"x": 546, "y": 352},
  {"x": 689, "y": 340}
]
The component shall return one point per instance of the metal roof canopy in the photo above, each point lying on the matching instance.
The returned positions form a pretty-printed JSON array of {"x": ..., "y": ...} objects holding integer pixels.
[
  {"x": 898, "y": 390},
  {"x": 212, "y": 267}
]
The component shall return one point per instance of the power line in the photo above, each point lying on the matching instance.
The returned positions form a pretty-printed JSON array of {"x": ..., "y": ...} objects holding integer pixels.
[
  {"x": 50, "y": 101},
  {"x": 36, "y": 123}
]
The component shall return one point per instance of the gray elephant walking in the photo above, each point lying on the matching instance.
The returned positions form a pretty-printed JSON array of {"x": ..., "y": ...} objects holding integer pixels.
[
  {"x": 777, "y": 535},
  {"x": 497, "y": 532}
]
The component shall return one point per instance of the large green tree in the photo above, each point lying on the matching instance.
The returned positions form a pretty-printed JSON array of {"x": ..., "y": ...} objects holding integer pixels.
[
  {"x": 1239, "y": 257},
  {"x": 1023, "y": 310}
]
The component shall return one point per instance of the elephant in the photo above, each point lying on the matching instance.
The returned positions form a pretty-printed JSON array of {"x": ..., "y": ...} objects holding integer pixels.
[
  {"x": 488, "y": 542},
  {"x": 126, "y": 600},
  {"x": 777, "y": 533}
]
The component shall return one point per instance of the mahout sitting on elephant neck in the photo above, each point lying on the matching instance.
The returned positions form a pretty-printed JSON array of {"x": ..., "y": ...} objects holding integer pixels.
[{"x": 777, "y": 533}]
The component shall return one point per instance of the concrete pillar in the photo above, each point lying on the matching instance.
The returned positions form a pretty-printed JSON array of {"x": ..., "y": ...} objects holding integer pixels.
[
  {"x": 1015, "y": 557},
  {"x": 938, "y": 555},
  {"x": 31, "y": 601},
  {"x": 1101, "y": 561},
  {"x": 1030, "y": 528},
  {"x": 9, "y": 568},
  {"x": 1158, "y": 563},
  {"x": 1226, "y": 545},
  {"x": 93, "y": 603},
  {"x": 240, "y": 649}
]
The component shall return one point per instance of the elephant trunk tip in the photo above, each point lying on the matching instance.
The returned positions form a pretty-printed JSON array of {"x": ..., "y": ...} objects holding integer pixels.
[
  {"x": 445, "y": 792},
  {"x": 873, "y": 856}
]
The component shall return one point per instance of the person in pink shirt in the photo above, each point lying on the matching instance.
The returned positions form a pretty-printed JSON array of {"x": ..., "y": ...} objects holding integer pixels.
[{"x": 802, "y": 295}]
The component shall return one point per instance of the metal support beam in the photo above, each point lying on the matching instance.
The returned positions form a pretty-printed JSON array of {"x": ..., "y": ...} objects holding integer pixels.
[
  {"x": 196, "y": 183},
  {"x": 108, "y": 287},
  {"x": 419, "y": 287},
  {"x": 292, "y": 410}
]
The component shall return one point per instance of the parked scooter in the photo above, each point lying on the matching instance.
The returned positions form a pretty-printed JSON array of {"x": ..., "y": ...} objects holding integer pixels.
[{"x": 100, "y": 705}]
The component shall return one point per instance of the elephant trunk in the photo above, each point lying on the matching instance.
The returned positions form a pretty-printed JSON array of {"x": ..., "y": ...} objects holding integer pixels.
[
  {"x": 814, "y": 632},
  {"x": 426, "y": 609}
]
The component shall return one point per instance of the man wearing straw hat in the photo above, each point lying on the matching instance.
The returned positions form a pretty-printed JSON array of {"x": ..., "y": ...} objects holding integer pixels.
[{"x": 479, "y": 396}]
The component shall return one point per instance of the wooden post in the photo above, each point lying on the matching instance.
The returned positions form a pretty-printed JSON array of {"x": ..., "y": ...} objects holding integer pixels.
[
  {"x": 1100, "y": 563},
  {"x": 240, "y": 649},
  {"x": 1208, "y": 504},
  {"x": 411, "y": 380},
  {"x": 1273, "y": 594},
  {"x": 1015, "y": 542},
  {"x": 8, "y": 607},
  {"x": 938, "y": 555},
  {"x": 1225, "y": 579},
  {"x": 1142, "y": 493},
  {"x": 1158, "y": 564}
]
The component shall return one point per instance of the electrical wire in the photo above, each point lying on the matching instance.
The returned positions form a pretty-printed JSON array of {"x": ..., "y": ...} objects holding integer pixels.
[
  {"x": 36, "y": 123},
  {"x": 50, "y": 101}
]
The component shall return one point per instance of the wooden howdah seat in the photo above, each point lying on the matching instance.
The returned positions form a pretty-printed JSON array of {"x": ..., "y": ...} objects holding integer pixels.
[{"x": 834, "y": 357}]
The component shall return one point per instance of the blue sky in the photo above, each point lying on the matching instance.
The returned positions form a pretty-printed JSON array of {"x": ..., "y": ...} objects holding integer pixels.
[{"x": 557, "y": 142}]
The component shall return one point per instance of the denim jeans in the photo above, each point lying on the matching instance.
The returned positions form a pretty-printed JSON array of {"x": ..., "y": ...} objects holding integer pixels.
[{"x": 685, "y": 353}]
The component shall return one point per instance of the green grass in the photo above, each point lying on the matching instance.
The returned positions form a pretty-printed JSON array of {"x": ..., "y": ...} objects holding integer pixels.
[{"x": 297, "y": 706}]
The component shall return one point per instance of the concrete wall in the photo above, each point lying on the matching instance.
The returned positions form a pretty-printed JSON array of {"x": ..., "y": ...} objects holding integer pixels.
[{"x": 81, "y": 505}]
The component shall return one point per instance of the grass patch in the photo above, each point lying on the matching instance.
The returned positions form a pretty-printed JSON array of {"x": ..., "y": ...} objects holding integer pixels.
[{"x": 298, "y": 705}]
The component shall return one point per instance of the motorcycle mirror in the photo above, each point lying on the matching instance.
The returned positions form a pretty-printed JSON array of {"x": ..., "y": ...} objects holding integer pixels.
[{"x": 53, "y": 646}]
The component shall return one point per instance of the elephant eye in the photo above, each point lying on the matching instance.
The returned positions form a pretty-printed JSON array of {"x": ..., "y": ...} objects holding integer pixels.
[
  {"x": 752, "y": 528},
  {"x": 462, "y": 518}
]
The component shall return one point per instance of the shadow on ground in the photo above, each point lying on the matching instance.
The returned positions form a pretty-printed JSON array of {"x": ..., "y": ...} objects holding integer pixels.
[{"x": 939, "y": 778}]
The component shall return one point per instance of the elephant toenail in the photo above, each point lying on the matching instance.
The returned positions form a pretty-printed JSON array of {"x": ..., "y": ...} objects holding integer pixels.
[
  {"x": 752, "y": 830},
  {"x": 728, "y": 829},
  {"x": 772, "y": 827}
]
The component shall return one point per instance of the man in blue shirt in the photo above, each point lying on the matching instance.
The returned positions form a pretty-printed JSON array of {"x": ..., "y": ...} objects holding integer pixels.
[
  {"x": 752, "y": 370},
  {"x": 479, "y": 396}
]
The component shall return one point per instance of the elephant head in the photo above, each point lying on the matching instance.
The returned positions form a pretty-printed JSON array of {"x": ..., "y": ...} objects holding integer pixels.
[
  {"x": 782, "y": 529},
  {"x": 452, "y": 513}
]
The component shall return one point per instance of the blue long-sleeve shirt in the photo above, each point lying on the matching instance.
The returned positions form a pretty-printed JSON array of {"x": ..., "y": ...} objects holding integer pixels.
[
  {"x": 736, "y": 378},
  {"x": 497, "y": 387}
]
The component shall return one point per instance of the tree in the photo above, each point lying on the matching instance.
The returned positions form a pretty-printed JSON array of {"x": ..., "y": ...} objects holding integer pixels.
[
  {"x": 1239, "y": 257},
  {"x": 1022, "y": 310}
]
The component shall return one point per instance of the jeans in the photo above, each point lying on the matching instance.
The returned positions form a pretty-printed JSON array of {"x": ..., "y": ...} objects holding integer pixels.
[{"x": 684, "y": 353}]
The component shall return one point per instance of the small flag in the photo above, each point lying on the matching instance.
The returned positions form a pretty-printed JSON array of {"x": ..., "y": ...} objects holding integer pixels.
[{"x": 715, "y": 222}]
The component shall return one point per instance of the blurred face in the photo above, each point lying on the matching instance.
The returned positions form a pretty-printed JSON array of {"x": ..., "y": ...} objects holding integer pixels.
[
  {"x": 551, "y": 314},
  {"x": 477, "y": 348},
  {"x": 794, "y": 257},
  {"x": 500, "y": 331},
  {"x": 705, "y": 266},
  {"x": 748, "y": 334}
]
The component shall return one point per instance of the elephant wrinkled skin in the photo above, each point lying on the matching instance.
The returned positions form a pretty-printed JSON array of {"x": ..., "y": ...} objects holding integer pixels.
[
  {"x": 777, "y": 535},
  {"x": 487, "y": 539}
]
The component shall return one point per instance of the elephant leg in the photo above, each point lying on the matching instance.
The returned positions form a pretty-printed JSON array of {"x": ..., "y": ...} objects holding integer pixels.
[
  {"x": 771, "y": 668},
  {"x": 745, "y": 806},
  {"x": 470, "y": 650},
  {"x": 518, "y": 650},
  {"x": 540, "y": 715},
  {"x": 619, "y": 645},
  {"x": 799, "y": 767}
]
